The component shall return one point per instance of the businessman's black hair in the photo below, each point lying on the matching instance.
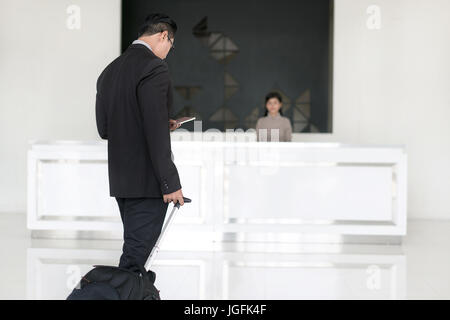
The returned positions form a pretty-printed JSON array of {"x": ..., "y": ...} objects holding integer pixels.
[
  {"x": 269, "y": 96},
  {"x": 158, "y": 22}
]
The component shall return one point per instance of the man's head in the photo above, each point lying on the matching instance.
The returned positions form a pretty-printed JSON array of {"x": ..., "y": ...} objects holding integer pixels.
[{"x": 158, "y": 31}]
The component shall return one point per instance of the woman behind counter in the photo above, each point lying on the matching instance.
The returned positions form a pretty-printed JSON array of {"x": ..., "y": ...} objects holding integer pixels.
[{"x": 273, "y": 119}]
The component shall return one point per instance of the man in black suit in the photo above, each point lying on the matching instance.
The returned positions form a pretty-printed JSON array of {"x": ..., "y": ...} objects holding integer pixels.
[{"x": 134, "y": 98}]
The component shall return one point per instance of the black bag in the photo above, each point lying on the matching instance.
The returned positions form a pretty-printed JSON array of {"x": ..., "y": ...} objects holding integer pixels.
[{"x": 114, "y": 283}]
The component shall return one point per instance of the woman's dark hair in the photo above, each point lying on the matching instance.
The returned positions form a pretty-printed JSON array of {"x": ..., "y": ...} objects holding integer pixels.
[
  {"x": 158, "y": 22},
  {"x": 269, "y": 96}
]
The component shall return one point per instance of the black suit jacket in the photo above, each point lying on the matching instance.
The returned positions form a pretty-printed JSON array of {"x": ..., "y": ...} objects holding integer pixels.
[{"x": 134, "y": 96}]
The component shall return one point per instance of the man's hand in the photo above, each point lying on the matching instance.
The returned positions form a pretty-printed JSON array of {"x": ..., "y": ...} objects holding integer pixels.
[
  {"x": 173, "y": 124},
  {"x": 176, "y": 196}
]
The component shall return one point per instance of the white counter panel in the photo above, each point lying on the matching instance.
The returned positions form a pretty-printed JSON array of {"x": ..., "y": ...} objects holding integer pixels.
[
  {"x": 236, "y": 187},
  {"x": 309, "y": 192}
]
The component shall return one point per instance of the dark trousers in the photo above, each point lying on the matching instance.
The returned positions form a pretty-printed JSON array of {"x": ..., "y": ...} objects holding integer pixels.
[{"x": 142, "y": 220}]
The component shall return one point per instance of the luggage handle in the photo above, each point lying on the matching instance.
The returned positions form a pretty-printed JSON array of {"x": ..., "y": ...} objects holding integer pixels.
[
  {"x": 155, "y": 249},
  {"x": 186, "y": 200}
]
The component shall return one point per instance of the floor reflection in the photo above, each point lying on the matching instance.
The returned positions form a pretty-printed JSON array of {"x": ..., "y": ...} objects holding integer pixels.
[
  {"x": 416, "y": 269},
  {"x": 224, "y": 273}
]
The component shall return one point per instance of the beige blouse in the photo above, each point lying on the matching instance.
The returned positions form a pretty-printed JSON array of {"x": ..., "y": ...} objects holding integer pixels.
[{"x": 274, "y": 122}]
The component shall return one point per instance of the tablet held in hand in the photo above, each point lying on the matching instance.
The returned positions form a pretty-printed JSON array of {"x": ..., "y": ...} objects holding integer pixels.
[{"x": 184, "y": 120}]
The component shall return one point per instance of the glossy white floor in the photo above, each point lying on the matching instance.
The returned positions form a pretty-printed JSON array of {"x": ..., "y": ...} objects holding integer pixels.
[{"x": 416, "y": 269}]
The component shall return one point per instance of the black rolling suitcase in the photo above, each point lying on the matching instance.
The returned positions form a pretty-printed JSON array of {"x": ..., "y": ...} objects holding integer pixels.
[{"x": 114, "y": 283}]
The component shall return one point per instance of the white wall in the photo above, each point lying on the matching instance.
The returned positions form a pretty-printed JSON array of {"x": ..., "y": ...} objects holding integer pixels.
[
  {"x": 391, "y": 86},
  {"x": 47, "y": 79}
]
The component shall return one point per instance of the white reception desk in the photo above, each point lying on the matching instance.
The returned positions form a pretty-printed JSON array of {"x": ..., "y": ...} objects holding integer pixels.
[{"x": 241, "y": 191}]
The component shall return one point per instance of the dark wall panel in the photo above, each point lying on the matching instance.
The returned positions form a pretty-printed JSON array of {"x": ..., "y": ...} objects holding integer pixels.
[{"x": 229, "y": 54}]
